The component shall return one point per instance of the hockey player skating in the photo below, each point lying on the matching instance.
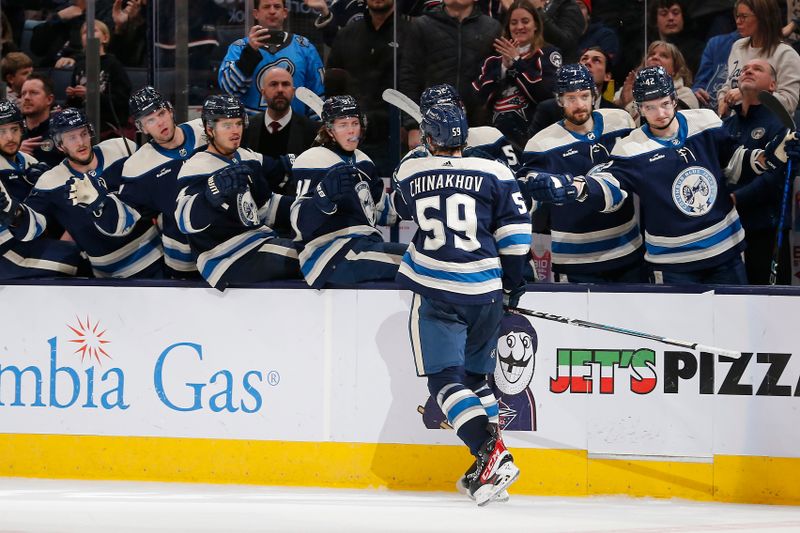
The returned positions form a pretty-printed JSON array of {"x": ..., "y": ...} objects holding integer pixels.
[
  {"x": 340, "y": 200},
  {"x": 43, "y": 256},
  {"x": 587, "y": 246},
  {"x": 673, "y": 162},
  {"x": 225, "y": 205},
  {"x": 471, "y": 248},
  {"x": 150, "y": 179},
  {"x": 135, "y": 255}
]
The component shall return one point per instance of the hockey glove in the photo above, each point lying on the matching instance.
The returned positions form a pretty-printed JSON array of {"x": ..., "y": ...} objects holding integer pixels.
[
  {"x": 511, "y": 296},
  {"x": 89, "y": 191},
  {"x": 226, "y": 184},
  {"x": 780, "y": 148},
  {"x": 33, "y": 172},
  {"x": 8, "y": 206},
  {"x": 550, "y": 188},
  {"x": 337, "y": 183}
]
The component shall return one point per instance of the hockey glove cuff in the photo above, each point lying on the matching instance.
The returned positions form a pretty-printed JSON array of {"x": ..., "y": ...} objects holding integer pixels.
[
  {"x": 89, "y": 191},
  {"x": 337, "y": 183},
  {"x": 549, "y": 188},
  {"x": 226, "y": 184},
  {"x": 776, "y": 150},
  {"x": 511, "y": 296}
]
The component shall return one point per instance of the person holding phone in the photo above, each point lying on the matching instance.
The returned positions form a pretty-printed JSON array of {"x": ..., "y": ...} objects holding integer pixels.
[{"x": 267, "y": 46}]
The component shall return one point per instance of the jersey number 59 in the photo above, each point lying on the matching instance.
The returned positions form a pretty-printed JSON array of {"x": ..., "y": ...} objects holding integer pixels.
[{"x": 459, "y": 216}]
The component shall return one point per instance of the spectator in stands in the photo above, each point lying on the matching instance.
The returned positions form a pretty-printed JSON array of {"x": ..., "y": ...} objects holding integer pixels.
[
  {"x": 448, "y": 44},
  {"x": 15, "y": 69},
  {"x": 563, "y": 25},
  {"x": 114, "y": 87},
  {"x": 713, "y": 69},
  {"x": 512, "y": 83},
  {"x": 711, "y": 17},
  {"x": 668, "y": 17},
  {"x": 627, "y": 20},
  {"x": 278, "y": 130},
  {"x": 596, "y": 34},
  {"x": 667, "y": 55},
  {"x": 366, "y": 50},
  {"x": 60, "y": 35},
  {"x": 340, "y": 13},
  {"x": 36, "y": 99},
  {"x": 759, "y": 23},
  {"x": 6, "y": 37},
  {"x": 267, "y": 45},
  {"x": 130, "y": 32},
  {"x": 758, "y": 197},
  {"x": 792, "y": 30},
  {"x": 599, "y": 64}
]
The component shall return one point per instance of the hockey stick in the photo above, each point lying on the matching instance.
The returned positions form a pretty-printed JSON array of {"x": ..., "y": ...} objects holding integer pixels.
[
  {"x": 310, "y": 98},
  {"x": 605, "y": 327},
  {"x": 403, "y": 103},
  {"x": 769, "y": 101}
]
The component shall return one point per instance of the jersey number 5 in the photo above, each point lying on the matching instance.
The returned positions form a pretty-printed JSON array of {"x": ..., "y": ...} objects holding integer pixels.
[{"x": 459, "y": 216}]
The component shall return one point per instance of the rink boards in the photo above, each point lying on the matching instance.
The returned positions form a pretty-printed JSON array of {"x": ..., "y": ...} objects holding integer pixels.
[{"x": 290, "y": 386}]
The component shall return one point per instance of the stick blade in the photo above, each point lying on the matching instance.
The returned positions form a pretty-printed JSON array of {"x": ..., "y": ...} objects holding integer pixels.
[
  {"x": 310, "y": 98},
  {"x": 769, "y": 101},
  {"x": 403, "y": 103}
]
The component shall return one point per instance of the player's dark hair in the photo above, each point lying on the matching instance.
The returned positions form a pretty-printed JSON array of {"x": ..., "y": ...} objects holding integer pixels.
[
  {"x": 257, "y": 3},
  {"x": 652, "y": 16},
  {"x": 47, "y": 82}
]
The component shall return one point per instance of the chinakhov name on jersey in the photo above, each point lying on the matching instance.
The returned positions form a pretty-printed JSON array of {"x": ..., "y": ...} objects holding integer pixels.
[
  {"x": 319, "y": 252},
  {"x": 131, "y": 258},
  {"x": 704, "y": 244},
  {"x": 596, "y": 246},
  {"x": 471, "y": 278}
]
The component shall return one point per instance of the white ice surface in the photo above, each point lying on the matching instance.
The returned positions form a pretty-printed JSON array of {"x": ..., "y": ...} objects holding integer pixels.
[{"x": 28, "y": 505}]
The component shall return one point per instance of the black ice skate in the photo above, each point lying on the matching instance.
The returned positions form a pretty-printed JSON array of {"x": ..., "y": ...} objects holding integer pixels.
[
  {"x": 494, "y": 470},
  {"x": 462, "y": 485}
]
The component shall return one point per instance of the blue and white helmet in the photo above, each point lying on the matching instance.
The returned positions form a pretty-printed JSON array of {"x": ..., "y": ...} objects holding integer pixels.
[
  {"x": 145, "y": 101},
  {"x": 219, "y": 106},
  {"x": 341, "y": 107},
  {"x": 652, "y": 83},
  {"x": 444, "y": 125},
  {"x": 443, "y": 93},
  {"x": 574, "y": 77},
  {"x": 68, "y": 119}
]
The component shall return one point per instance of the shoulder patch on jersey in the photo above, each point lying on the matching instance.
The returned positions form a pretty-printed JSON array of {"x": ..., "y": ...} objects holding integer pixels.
[
  {"x": 201, "y": 164},
  {"x": 615, "y": 120},
  {"x": 555, "y": 58},
  {"x": 53, "y": 178},
  {"x": 249, "y": 155},
  {"x": 114, "y": 149},
  {"x": 142, "y": 161},
  {"x": 483, "y": 135},
  {"x": 637, "y": 143},
  {"x": 552, "y": 137},
  {"x": 361, "y": 156},
  {"x": 700, "y": 120},
  {"x": 302, "y": 41},
  {"x": 317, "y": 157}
]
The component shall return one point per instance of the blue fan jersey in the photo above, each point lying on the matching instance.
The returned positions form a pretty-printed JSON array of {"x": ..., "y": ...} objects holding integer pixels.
[
  {"x": 474, "y": 229},
  {"x": 299, "y": 57},
  {"x": 689, "y": 219},
  {"x": 585, "y": 240}
]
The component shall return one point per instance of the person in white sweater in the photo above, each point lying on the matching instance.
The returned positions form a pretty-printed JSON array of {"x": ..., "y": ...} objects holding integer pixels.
[{"x": 759, "y": 22}]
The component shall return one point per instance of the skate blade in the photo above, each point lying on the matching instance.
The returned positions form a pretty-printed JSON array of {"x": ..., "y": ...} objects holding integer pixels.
[
  {"x": 501, "y": 496},
  {"x": 506, "y": 475}
]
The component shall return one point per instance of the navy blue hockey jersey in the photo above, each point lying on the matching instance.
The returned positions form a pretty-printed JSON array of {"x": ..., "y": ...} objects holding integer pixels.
[
  {"x": 585, "y": 240},
  {"x": 689, "y": 220},
  {"x": 117, "y": 257},
  {"x": 474, "y": 229},
  {"x": 324, "y": 239},
  {"x": 217, "y": 237},
  {"x": 150, "y": 189}
]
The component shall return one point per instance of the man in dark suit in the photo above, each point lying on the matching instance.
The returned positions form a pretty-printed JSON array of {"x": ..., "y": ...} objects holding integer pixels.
[{"x": 278, "y": 131}]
